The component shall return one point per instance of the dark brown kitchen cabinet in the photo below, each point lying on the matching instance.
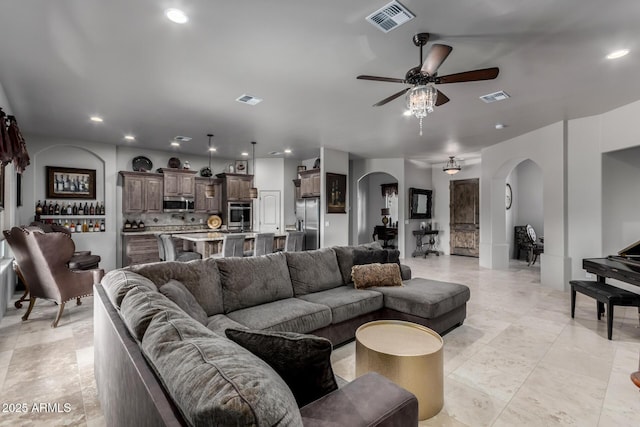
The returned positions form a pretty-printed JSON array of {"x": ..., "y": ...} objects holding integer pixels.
[
  {"x": 310, "y": 183},
  {"x": 141, "y": 192},
  {"x": 203, "y": 204},
  {"x": 179, "y": 182},
  {"x": 235, "y": 187}
]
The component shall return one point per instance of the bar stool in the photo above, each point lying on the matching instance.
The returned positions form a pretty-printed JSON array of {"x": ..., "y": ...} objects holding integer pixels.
[
  {"x": 293, "y": 241},
  {"x": 232, "y": 246},
  {"x": 262, "y": 245}
]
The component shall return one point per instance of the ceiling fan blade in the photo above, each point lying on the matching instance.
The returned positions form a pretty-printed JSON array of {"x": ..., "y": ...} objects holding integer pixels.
[
  {"x": 442, "y": 99},
  {"x": 380, "y": 79},
  {"x": 436, "y": 56},
  {"x": 391, "y": 98},
  {"x": 470, "y": 76}
]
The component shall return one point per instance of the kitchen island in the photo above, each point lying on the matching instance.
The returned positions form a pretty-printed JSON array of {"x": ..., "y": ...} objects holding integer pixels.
[{"x": 210, "y": 243}]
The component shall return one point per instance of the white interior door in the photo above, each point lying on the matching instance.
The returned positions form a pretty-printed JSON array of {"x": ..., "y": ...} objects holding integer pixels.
[{"x": 269, "y": 211}]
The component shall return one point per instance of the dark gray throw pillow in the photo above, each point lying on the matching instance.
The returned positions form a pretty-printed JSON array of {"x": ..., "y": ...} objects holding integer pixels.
[
  {"x": 303, "y": 361},
  {"x": 363, "y": 256}
]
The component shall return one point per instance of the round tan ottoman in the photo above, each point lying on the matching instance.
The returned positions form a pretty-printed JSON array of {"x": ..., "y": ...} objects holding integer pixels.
[{"x": 409, "y": 355}]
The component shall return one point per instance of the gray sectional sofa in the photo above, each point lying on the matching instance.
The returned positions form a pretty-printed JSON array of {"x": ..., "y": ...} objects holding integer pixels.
[{"x": 162, "y": 363}]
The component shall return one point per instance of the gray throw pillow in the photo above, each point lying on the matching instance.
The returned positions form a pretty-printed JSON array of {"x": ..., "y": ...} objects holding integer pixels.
[
  {"x": 363, "y": 256},
  {"x": 184, "y": 299},
  {"x": 303, "y": 361}
]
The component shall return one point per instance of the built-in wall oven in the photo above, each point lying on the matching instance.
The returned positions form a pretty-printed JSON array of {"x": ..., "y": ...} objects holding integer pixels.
[{"x": 239, "y": 216}]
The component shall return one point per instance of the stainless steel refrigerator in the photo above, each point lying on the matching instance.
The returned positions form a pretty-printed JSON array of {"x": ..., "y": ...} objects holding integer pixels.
[{"x": 308, "y": 220}]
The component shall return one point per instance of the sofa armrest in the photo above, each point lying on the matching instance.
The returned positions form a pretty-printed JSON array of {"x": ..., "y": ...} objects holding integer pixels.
[
  {"x": 370, "y": 400},
  {"x": 405, "y": 272}
]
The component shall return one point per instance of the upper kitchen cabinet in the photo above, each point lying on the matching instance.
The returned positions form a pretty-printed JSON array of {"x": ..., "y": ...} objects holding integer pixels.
[
  {"x": 204, "y": 204},
  {"x": 310, "y": 183},
  {"x": 236, "y": 186},
  {"x": 179, "y": 182},
  {"x": 141, "y": 192}
]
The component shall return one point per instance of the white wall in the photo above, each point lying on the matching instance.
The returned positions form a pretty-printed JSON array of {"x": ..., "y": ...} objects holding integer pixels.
[
  {"x": 417, "y": 175},
  {"x": 47, "y": 151},
  {"x": 441, "y": 197},
  {"x": 289, "y": 202},
  {"x": 620, "y": 199},
  {"x": 546, "y": 147},
  {"x": 530, "y": 201},
  {"x": 588, "y": 139},
  {"x": 375, "y": 200},
  {"x": 334, "y": 226}
]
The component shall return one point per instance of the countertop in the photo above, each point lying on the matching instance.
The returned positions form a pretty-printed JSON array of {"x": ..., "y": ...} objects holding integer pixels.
[{"x": 216, "y": 235}]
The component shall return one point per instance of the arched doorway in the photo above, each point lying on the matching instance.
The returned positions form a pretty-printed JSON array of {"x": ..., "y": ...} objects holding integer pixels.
[{"x": 370, "y": 201}]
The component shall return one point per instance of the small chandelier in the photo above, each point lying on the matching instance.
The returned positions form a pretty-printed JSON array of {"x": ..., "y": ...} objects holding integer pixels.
[
  {"x": 210, "y": 189},
  {"x": 253, "y": 191},
  {"x": 421, "y": 100},
  {"x": 451, "y": 167}
]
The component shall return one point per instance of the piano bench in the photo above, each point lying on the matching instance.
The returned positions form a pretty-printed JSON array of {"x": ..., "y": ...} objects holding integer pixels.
[{"x": 603, "y": 294}]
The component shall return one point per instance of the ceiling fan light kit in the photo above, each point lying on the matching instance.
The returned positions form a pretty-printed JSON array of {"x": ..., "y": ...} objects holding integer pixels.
[
  {"x": 423, "y": 96},
  {"x": 452, "y": 167},
  {"x": 421, "y": 100}
]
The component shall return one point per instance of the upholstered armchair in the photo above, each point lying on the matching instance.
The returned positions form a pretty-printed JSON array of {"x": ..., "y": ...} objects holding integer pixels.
[{"x": 43, "y": 260}]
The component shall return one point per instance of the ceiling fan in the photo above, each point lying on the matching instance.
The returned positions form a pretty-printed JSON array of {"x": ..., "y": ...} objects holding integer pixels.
[{"x": 426, "y": 74}]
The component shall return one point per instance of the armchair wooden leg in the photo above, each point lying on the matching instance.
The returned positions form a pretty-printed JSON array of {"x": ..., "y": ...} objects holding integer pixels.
[
  {"x": 18, "y": 304},
  {"x": 60, "y": 310},
  {"x": 32, "y": 302}
]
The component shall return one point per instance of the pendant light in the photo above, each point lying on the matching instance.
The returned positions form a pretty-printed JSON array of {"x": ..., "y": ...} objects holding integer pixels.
[
  {"x": 253, "y": 191},
  {"x": 452, "y": 167},
  {"x": 210, "y": 189}
]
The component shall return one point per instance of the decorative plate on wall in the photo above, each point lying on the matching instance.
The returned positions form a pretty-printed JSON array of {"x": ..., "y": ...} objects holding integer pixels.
[
  {"x": 141, "y": 164},
  {"x": 214, "y": 222},
  {"x": 174, "y": 163}
]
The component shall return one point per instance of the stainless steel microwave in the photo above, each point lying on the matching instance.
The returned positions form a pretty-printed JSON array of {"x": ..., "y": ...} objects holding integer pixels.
[{"x": 178, "y": 204}]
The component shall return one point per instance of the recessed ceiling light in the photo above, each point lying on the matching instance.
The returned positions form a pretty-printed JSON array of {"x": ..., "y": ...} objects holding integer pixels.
[
  {"x": 175, "y": 144},
  {"x": 130, "y": 137},
  {"x": 177, "y": 16},
  {"x": 96, "y": 119},
  {"x": 500, "y": 126},
  {"x": 212, "y": 149},
  {"x": 618, "y": 54},
  {"x": 287, "y": 151},
  {"x": 244, "y": 153},
  {"x": 406, "y": 113}
]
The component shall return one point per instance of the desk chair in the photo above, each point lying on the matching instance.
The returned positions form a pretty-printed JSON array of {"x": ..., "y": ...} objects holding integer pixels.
[
  {"x": 386, "y": 234},
  {"x": 535, "y": 247},
  {"x": 43, "y": 261},
  {"x": 262, "y": 244},
  {"x": 169, "y": 252},
  {"x": 232, "y": 246}
]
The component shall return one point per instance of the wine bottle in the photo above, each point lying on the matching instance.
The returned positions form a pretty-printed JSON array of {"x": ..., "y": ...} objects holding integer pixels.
[
  {"x": 90, "y": 225},
  {"x": 51, "y": 209},
  {"x": 69, "y": 209},
  {"x": 92, "y": 210},
  {"x": 102, "y": 226},
  {"x": 56, "y": 209},
  {"x": 38, "y": 209},
  {"x": 74, "y": 210}
]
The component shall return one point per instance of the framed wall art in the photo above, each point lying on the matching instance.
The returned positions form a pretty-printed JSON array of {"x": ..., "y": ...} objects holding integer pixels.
[
  {"x": 241, "y": 166},
  {"x": 336, "y": 193},
  {"x": 70, "y": 183},
  {"x": 2, "y": 187}
]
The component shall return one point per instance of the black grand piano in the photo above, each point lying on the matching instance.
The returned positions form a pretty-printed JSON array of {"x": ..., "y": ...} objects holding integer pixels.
[{"x": 624, "y": 267}]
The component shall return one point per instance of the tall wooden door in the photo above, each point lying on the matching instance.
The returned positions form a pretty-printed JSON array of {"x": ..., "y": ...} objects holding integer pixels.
[
  {"x": 465, "y": 217},
  {"x": 269, "y": 211}
]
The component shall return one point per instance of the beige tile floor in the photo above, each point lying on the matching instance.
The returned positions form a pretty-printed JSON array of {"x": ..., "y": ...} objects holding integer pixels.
[{"x": 519, "y": 359}]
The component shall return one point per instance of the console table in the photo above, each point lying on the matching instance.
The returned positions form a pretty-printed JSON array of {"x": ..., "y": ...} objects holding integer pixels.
[{"x": 428, "y": 247}]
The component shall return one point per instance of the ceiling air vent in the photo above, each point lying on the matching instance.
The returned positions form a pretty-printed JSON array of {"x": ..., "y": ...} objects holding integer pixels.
[
  {"x": 390, "y": 16},
  {"x": 495, "y": 96},
  {"x": 248, "y": 99},
  {"x": 182, "y": 138}
]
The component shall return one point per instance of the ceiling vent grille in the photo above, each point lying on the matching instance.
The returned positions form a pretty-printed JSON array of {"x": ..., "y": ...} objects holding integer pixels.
[
  {"x": 181, "y": 138},
  {"x": 390, "y": 16},
  {"x": 248, "y": 99},
  {"x": 495, "y": 96}
]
